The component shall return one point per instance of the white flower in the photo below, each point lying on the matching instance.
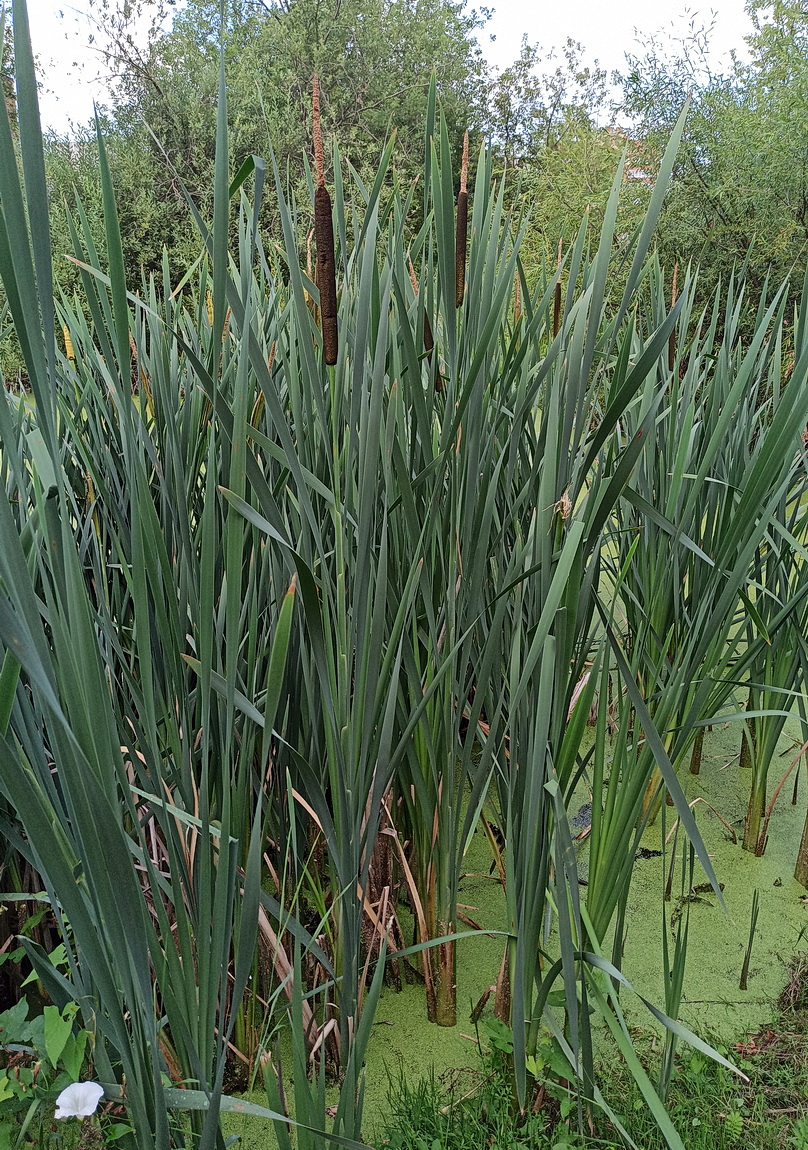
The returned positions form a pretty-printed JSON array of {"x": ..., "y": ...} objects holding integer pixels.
[{"x": 79, "y": 1100}]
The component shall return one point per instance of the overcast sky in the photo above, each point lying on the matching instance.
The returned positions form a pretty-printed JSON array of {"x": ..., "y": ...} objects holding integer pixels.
[{"x": 73, "y": 76}]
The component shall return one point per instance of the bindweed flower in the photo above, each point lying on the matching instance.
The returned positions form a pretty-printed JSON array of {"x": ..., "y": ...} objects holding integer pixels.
[{"x": 79, "y": 1100}]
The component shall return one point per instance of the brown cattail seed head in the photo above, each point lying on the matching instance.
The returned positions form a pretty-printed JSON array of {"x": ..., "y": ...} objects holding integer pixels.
[
  {"x": 325, "y": 278},
  {"x": 326, "y": 271},
  {"x": 429, "y": 341},
  {"x": 557, "y": 299},
  {"x": 672, "y": 336},
  {"x": 429, "y": 345}
]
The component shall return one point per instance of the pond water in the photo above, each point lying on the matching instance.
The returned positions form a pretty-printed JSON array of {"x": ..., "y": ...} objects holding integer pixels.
[{"x": 713, "y": 1004}]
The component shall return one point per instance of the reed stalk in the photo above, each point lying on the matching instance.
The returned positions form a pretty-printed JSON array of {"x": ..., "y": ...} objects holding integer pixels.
[
  {"x": 747, "y": 958},
  {"x": 801, "y": 866}
]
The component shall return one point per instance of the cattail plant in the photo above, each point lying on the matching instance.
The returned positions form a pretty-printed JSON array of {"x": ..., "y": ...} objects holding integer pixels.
[
  {"x": 117, "y": 765},
  {"x": 720, "y": 465},
  {"x": 778, "y": 673},
  {"x": 329, "y": 613}
]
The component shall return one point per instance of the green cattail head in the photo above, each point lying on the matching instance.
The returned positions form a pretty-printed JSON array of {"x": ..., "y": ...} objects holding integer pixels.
[
  {"x": 557, "y": 298},
  {"x": 461, "y": 233}
]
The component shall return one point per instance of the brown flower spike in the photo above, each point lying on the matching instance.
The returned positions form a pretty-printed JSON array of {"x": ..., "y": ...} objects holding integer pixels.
[
  {"x": 672, "y": 336},
  {"x": 324, "y": 238},
  {"x": 461, "y": 234},
  {"x": 557, "y": 298}
]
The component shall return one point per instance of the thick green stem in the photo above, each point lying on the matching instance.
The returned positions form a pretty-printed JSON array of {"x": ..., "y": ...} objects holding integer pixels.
[
  {"x": 754, "y": 816},
  {"x": 748, "y": 741},
  {"x": 502, "y": 997},
  {"x": 444, "y": 974},
  {"x": 801, "y": 869}
]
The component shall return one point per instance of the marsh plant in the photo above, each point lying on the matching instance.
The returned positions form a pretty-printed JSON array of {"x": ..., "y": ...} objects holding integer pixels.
[{"x": 301, "y": 569}]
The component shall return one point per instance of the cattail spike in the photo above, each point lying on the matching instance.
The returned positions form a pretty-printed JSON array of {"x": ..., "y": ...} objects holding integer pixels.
[
  {"x": 461, "y": 233},
  {"x": 557, "y": 296},
  {"x": 318, "y": 136},
  {"x": 429, "y": 339},
  {"x": 326, "y": 272},
  {"x": 326, "y": 275},
  {"x": 672, "y": 336},
  {"x": 413, "y": 276}
]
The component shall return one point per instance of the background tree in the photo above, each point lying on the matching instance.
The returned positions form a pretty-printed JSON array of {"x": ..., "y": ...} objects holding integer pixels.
[
  {"x": 740, "y": 191},
  {"x": 540, "y": 100},
  {"x": 374, "y": 60},
  {"x": 549, "y": 120},
  {"x": 740, "y": 183},
  {"x": 7, "y": 68}
]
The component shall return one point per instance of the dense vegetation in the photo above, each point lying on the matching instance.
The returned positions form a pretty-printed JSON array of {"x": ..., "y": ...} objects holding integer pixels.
[
  {"x": 345, "y": 517},
  {"x": 738, "y": 193}
]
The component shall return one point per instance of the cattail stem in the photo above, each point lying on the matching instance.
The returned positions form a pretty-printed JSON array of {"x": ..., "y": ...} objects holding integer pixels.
[{"x": 461, "y": 232}]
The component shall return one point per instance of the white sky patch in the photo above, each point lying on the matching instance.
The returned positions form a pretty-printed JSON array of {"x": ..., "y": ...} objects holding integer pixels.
[
  {"x": 609, "y": 28},
  {"x": 70, "y": 64},
  {"x": 73, "y": 74}
]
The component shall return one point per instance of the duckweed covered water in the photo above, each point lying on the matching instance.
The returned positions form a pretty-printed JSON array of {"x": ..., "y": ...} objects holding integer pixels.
[{"x": 404, "y": 1042}]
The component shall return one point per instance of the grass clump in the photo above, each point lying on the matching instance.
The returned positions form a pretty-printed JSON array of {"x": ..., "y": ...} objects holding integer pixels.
[{"x": 461, "y": 1110}]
